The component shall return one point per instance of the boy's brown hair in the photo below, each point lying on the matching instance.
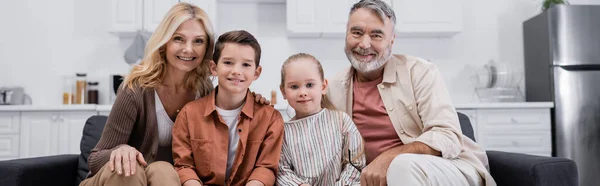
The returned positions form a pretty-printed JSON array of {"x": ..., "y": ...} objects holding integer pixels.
[{"x": 241, "y": 37}]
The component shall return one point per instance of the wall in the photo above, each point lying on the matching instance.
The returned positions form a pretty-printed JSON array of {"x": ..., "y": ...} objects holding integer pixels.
[{"x": 42, "y": 41}]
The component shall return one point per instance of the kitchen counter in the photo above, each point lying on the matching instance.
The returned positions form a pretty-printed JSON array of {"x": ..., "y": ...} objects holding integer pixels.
[
  {"x": 281, "y": 106},
  {"x": 90, "y": 107},
  {"x": 504, "y": 105}
]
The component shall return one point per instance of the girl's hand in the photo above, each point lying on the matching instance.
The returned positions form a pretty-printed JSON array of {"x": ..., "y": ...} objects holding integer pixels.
[
  {"x": 260, "y": 99},
  {"x": 125, "y": 159}
]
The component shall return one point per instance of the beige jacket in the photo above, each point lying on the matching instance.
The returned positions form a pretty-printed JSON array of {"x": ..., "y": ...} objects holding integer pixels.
[{"x": 419, "y": 107}]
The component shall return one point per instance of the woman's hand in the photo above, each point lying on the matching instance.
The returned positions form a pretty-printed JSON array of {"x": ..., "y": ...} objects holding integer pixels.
[
  {"x": 125, "y": 159},
  {"x": 260, "y": 99}
]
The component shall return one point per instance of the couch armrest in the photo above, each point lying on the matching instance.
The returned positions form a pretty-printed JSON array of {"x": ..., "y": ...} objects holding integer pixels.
[
  {"x": 48, "y": 170},
  {"x": 522, "y": 169}
]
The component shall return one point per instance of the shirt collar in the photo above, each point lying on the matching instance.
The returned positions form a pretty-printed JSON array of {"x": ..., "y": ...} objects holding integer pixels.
[{"x": 247, "y": 109}]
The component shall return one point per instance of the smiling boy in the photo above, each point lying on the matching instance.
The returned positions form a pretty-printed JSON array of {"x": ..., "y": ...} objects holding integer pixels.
[{"x": 226, "y": 138}]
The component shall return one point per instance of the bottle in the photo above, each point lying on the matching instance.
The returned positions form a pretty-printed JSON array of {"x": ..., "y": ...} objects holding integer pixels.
[
  {"x": 273, "y": 97},
  {"x": 80, "y": 88},
  {"x": 92, "y": 92},
  {"x": 68, "y": 90}
]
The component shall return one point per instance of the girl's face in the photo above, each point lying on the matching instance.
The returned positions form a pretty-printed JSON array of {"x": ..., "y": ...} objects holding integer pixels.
[
  {"x": 303, "y": 87},
  {"x": 185, "y": 51}
]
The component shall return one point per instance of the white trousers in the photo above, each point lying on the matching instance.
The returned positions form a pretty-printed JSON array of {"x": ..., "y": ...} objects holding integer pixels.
[{"x": 418, "y": 169}]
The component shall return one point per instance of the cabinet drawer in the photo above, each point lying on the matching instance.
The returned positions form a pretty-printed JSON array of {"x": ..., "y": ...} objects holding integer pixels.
[
  {"x": 9, "y": 146},
  {"x": 518, "y": 142},
  {"x": 511, "y": 120},
  {"x": 9, "y": 122}
]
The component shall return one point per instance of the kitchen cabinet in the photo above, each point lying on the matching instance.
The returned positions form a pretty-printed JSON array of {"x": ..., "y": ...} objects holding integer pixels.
[
  {"x": 129, "y": 16},
  {"x": 9, "y": 135},
  {"x": 428, "y": 17},
  {"x": 45, "y": 133},
  {"x": 312, "y": 18},
  {"x": 519, "y": 130},
  {"x": 154, "y": 11},
  {"x": 126, "y": 16}
]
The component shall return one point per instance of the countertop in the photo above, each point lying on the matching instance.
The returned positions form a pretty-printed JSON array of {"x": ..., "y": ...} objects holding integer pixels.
[{"x": 281, "y": 106}]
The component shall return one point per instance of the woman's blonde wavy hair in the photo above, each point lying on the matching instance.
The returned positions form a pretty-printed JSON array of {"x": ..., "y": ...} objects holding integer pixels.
[{"x": 152, "y": 69}]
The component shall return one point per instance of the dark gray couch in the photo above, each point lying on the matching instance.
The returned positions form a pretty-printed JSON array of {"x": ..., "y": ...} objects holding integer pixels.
[{"x": 509, "y": 169}]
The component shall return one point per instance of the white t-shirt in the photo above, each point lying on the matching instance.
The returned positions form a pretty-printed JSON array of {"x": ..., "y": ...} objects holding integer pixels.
[{"x": 231, "y": 118}]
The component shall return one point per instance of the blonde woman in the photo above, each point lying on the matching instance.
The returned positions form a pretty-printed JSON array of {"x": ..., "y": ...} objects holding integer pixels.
[{"x": 135, "y": 147}]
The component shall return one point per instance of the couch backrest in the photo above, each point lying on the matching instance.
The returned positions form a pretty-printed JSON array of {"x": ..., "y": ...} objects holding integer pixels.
[
  {"x": 91, "y": 135},
  {"x": 465, "y": 125}
]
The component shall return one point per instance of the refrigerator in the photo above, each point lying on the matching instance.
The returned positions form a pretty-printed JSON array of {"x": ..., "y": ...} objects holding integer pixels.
[{"x": 562, "y": 65}]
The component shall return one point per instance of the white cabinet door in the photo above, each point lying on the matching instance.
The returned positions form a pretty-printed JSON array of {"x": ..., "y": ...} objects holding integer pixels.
[
  {"x": 209, "y": 6},
  {"x": 39, "y": 134},
  {"x": 154, "y": 11},
  {"x": 334, "y": 17},
  {"x": 9, "y": 135},
  {"x": 428, "y": 17},
  {"x": 125, "y": 16},
  {"x": 9, "y": 146},
  {"x": 302, "y": 18},
  {"x": 70, "y": 126},
  {"x": 9, "y": 122}
]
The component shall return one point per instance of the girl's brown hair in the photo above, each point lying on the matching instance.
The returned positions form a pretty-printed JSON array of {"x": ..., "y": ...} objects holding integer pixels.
[{"x": 325, "y": 102}]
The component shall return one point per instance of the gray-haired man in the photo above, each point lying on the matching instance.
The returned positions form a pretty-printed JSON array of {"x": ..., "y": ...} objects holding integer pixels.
[{"x": 402, "y": 109}]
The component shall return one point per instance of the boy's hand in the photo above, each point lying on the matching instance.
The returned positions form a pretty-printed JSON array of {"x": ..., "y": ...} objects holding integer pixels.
[
  {"x": 192, "y": 183},
  {"x": 254, "y": 183},
  {"x": 260, "y": 99}
]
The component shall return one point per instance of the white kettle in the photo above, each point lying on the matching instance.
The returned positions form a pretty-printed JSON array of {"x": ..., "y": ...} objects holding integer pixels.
[{"x": 14, "y": 96}]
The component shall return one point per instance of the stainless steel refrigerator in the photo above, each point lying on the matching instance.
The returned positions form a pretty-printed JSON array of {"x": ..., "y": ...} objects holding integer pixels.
[{"x": 562, "y": 65}]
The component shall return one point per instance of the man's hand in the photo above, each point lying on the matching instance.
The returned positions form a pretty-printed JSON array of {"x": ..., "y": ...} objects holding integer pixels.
[
  {"x": 192, "y": 183},
  {"x": 376, "y": 172},
  {"x": 254, "y": 183}
]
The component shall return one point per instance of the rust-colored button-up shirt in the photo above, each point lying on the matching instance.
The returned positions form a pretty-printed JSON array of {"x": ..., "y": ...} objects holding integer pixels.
[{"x": 201, "y": 139}]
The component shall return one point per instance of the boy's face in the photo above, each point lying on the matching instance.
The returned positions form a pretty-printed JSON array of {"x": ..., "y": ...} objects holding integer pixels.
[{"x": 236, "y": 68}]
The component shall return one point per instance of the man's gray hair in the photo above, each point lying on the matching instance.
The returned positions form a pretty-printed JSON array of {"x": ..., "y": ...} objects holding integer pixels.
[{"x": 382, "y": 9}]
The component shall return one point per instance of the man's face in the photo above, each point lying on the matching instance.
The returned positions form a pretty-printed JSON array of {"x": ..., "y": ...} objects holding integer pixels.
[{"x": 368, "y": 40}]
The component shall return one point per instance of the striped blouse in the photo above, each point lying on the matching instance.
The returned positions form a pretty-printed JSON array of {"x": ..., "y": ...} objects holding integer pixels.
[{"x": 315, "y": 151}]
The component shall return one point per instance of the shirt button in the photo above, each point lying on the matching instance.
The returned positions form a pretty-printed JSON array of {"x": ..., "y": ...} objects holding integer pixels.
[
  {"x": 410, "y": 107},
  {"x": 381, "y": 86},
  {"x": 391, "y": 108}
]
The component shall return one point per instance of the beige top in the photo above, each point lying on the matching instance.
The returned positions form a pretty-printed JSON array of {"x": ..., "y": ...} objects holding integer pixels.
[{"x": 419, "y": 107}]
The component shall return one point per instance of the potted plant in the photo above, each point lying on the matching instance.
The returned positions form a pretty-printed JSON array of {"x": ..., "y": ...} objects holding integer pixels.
[{"x": 549, "y": 3}]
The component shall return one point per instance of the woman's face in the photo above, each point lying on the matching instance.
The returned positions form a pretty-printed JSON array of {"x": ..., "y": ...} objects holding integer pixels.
[{"x": 186, "y": 48}]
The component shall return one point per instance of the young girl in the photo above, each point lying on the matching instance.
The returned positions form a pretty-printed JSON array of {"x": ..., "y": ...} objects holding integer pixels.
[{"x": 321, "y": 145}]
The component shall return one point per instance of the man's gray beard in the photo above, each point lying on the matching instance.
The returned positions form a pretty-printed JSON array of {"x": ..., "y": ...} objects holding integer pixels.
[{"x": 368, "y": 67}]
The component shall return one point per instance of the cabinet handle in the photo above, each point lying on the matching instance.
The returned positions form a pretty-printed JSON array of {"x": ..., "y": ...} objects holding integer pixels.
[
  {"x": 61, "y": 119},
  {"x": 513, "y": 120},
  {"x": 53, "y": 118}
]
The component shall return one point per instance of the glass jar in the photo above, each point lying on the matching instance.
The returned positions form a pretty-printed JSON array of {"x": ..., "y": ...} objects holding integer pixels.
[
  {"x": 68, "y": 90},
  {"x": 92, "y": 92},
  {"x": 80, "y": 88}
]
